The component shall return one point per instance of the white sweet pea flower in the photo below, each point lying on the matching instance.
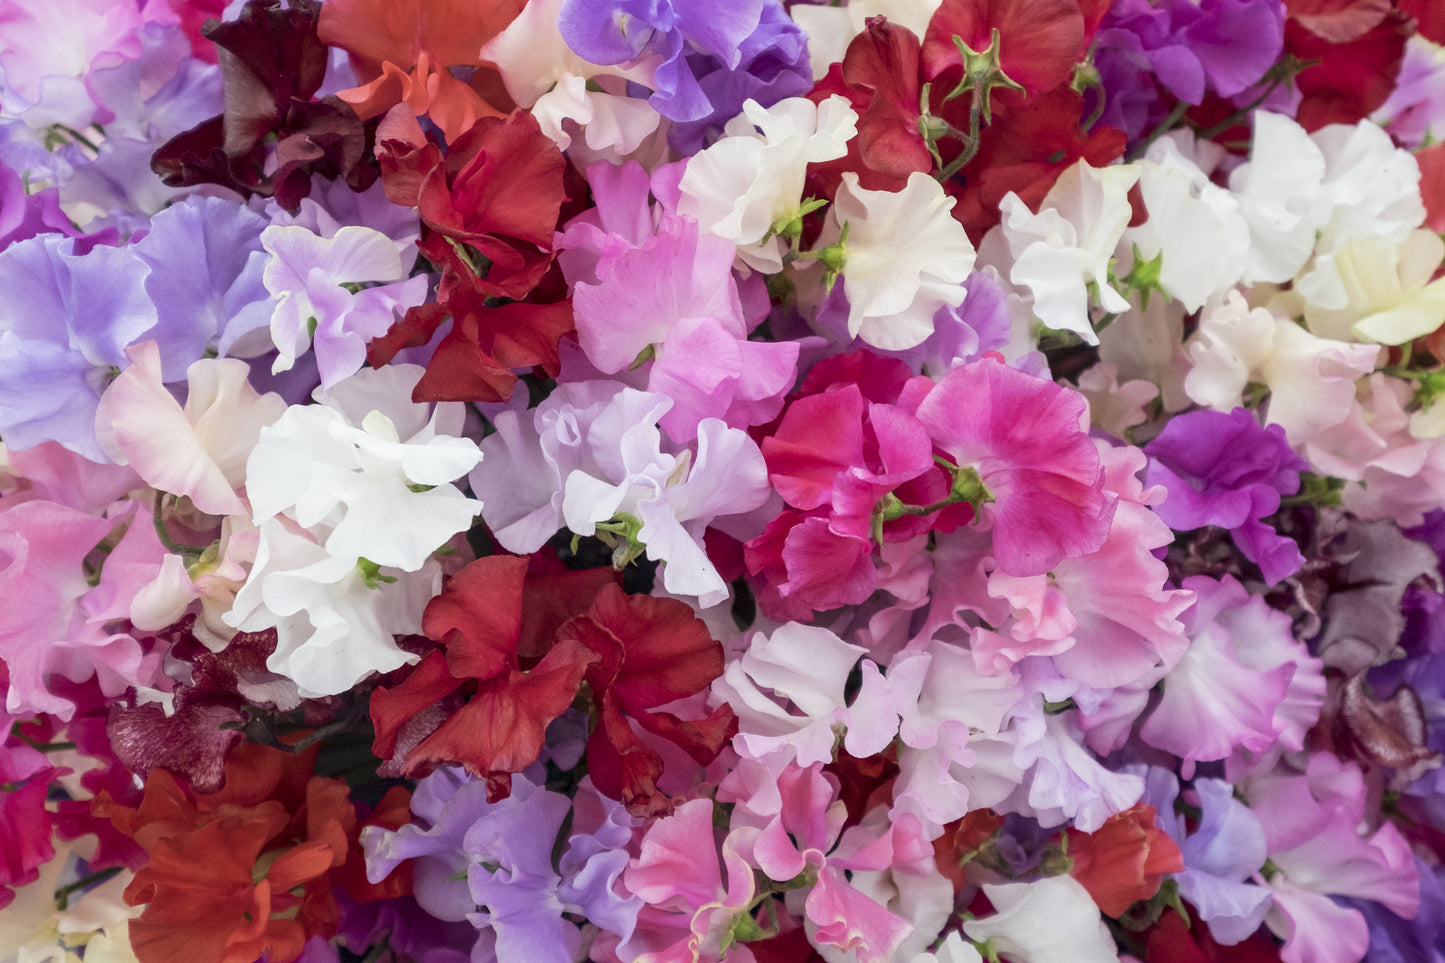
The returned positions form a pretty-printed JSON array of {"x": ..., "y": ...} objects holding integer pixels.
[
  {"x": 788, "y": 693},
  {"x": 1059, "y": 252},
  {"x": 335, "y": 616},
  {"x": 741, "y": 186},
  {"x": 1311, "y": 380},
  {"x": 542, "y": 74},
  {"x": 1194, "y": 226},
  {"x": 905, "y": 257},
  {"x": 1309, "y": 195},
  {"x": 1390, "y": 297},
  {"x": 367, "y": 470},
  {"x": 1053, "y": 920}
]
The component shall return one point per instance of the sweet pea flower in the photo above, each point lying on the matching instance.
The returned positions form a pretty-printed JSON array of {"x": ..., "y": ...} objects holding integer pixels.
[
  {"x": 905, "y": 258},
  {"x": 1023, "y": 436},
  {"x": 1058, "y": 253},
  {"x": 742, "y": 186},
  {"x": 1311, "y": 380},
  {"x": 593, "y": 456},
  {"x": 335, "y": 619},
  {"x": 321, "y": 298},
  {"x": 1053, "y": 920},
  {"x": 1392, "y": 295},
  {"x": 199, "y": 451},
  {"x": 367, "y": 470}
]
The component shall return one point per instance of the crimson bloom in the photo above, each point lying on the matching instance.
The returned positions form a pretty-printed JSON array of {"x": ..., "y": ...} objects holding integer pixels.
[
  {"x": 651, "y": 652},
  {"x": 513, "y": 679}
]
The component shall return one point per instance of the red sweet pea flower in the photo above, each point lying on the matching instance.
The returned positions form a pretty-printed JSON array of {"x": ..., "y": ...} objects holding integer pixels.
[
  {"x": 1352, "y": 78},
  {"x": 490, "y": 206},
  {"x": 241, "y": 873},
  {"x": 401, "y": 49},
  {"x": 880, "y": 77},
  {"x": 1125, "y": 860},
  {"x": 1027, "y": 153},
  {"x": 515, "y": 683},
  {"x": 1040, "y": 41},
  {"x": 651, "y": 651}
]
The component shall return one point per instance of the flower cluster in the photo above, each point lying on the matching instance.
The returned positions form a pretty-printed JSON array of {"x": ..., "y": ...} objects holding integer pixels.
[{"x": 895, "y": 481}]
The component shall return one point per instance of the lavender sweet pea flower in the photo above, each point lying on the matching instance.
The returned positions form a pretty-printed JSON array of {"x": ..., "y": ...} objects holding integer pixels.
[
  {"x": 1225, "y": 850},
  {"x": 1224, "y": 469},
  {"x": 25, "y": 215},
  {"x": 206, "y": 260},
  {"x": 772, "y": 66},
  {"x": 617, "y": 31},
  {"x": 1220, "y": 45},
  {"x": 471, "y": 853},
  {"x": 65, "y": 322}
]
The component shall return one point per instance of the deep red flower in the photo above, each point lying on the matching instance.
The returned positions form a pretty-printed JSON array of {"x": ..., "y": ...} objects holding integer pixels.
[
  {"x": 879, "y": 75},
  {"x": 1040, "y": 41},
  {"x": 1027, "y": 153},
  {"x": 651, "y": 652},
  {"x": 1352, "y": 78},
  {"x": 514, "y": 679},
  {"x": 1125, "y": 860},
  {"x": 272, "y": 64}
]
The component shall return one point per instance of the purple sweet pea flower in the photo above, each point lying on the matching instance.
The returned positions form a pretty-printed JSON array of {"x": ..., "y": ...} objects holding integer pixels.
[
  {"x": 25, "y": 215},
  {"x": 205, "y": 260},
  {"x": 617, "y": 31},
  {"x": 472, "y": 853},
  {"x": 1226, "y": 849},
  {"x": 1224, "y": 469},
  {"x": 772, "y": 66},
  {"x": 1221, "y": 45},
  {"x": 65, "y": 322}
]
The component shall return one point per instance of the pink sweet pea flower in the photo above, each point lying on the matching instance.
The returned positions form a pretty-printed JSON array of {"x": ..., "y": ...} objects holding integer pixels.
[
  {"x": 1024, "y": 437},
  {"x": 200, "y": 450}
]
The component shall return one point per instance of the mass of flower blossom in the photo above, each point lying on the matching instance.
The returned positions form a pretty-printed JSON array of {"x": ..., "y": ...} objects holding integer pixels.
[{"x": 682, "y": 481}]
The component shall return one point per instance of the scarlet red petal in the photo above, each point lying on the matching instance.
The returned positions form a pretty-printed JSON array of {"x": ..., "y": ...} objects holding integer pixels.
[
  {"x": 391, "y": 708},
  {"x": 501, "y": 729},
  {"x": 622, "y": 766},
  {"x": 1351, "y": 79},
  {"x": 1039, "y": 40},
  {"x": 478, "y": 616},
  {"x": 668, "y": 652}
]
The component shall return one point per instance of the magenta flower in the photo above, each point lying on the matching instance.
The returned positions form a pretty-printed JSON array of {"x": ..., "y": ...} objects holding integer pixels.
[{"x": 1025, "y": 438}]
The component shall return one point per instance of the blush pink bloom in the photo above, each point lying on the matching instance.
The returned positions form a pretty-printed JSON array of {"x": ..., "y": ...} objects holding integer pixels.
[{"x": 200, "y": 450}]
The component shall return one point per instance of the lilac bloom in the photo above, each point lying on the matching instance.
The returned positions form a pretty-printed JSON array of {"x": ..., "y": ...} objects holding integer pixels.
[
  {"x": 618, "y": 31},
  {"x": 1224, "y": 469},
  {"x": 772, "y": 66},
  {"x": 206, "y": 260},
  {"x": 1222, "y": 45},
  {"x": 65, "y": 322},
  {"x": 491, "y": 863},
  {"x": 1227, "y": 848},
  {"x": 25, "y": 215}
]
